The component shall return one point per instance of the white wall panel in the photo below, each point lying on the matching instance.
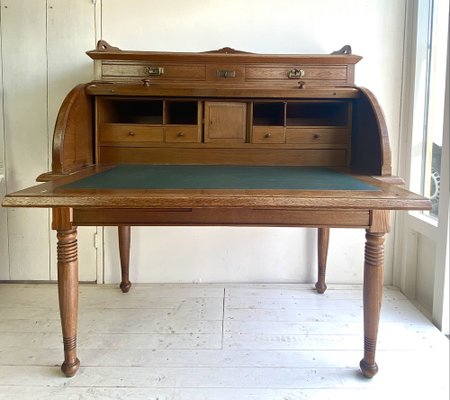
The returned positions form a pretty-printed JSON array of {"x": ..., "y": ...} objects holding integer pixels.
[
  {"x": 4, "y": 252},
  {"x": 43, "y": 45},
  {"x": 26, "y": 140}
]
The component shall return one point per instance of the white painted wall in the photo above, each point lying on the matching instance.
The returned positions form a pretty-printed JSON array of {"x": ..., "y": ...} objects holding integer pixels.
[
  {"x": 42, "y": 58},
  {"x": 51, "y": 40}
]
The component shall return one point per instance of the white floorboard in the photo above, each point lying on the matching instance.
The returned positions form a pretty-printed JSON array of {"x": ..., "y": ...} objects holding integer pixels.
[{"x": 217, "y": 342}]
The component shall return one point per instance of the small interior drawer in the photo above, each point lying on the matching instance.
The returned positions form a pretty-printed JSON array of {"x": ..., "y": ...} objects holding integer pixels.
[
  {"x": 332, "y": 135},
  {"x": 183, "y": 134},
  {"x": 268, "y": 134},
  {"x": 130, "y": 133}
]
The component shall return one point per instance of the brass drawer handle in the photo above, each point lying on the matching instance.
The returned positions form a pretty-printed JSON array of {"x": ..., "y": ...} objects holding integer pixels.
[
  {"x": 221, "y": 73},
  {"x": 296, "y": 73},
  {"x": 154, "y": 71}
]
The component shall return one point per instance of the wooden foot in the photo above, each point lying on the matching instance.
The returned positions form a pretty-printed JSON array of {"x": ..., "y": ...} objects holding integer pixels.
[
  {"x": 124, "y": 250},
  {"x": 323, "y": 236},
  {"x": 373, "y": 287},
  {"x": 70, "y": 370},
  {"x": 67, "y": 288}
]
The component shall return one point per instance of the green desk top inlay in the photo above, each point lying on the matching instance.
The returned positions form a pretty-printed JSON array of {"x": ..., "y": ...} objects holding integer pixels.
[{"x": 220, "y": 177}]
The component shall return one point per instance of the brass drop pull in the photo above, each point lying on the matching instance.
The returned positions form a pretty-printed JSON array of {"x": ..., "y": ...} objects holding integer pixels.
[
  {"x": 131, "y": 133},
  {"x": 180, "y": 134},
  {"x": 267, "y": 135}
]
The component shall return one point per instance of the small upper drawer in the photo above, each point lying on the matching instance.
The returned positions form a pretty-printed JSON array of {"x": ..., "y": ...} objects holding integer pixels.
[
  {"x": 317, "y": 135},
  {"x": 226, "y": 73},
  {"x": 268, "y": 134},
  {"x": 183, "y": 134},
  {"x": 155, "y": 70},
  {"x": 130, "y": 133},
  {"x": 296, "y": 73}
]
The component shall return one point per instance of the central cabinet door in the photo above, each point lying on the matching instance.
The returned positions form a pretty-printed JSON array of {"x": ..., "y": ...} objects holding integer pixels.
[{"x": 225, "y": 121}]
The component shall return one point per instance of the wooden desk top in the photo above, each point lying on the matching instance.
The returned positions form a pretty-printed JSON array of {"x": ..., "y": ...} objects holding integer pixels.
[{"x": 272, "y": 189}]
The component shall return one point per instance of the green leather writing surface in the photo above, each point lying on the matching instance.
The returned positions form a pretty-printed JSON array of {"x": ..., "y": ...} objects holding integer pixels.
[{"x": 220, "y": 177}]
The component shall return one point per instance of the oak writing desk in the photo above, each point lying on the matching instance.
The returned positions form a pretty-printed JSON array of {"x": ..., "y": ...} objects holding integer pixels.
[{"x": 220, "y": 138}]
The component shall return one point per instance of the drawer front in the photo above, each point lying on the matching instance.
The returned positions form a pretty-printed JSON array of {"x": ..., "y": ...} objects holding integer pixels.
[
  {"x": 129, "y": 133},
  {"x": 268, "y": 134},
  {"x": 336, "y": 136},
  {"x": 183, "y": 134},
  {"x": 154, "y": 71},
  {"x": 289, "y": 73},
  {"x": 225, "y": 73}
]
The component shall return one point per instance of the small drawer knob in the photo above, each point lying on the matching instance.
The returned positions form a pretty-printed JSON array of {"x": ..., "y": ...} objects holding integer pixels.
[
  {"x": 316, "y": 136},
  {"x": 180, "y": 134},
  {"x": 131, "y": 133},
  {"x": 267, "y": 135}
]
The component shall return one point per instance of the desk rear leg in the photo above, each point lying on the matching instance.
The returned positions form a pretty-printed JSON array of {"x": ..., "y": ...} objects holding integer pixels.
[
  {"x": 124, "y": 250},
  {"x": 323, "y": 236}
]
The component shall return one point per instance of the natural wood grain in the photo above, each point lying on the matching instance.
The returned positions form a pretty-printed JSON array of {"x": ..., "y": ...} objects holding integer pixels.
[
  {"x": 67, "y": 287},
  {"x": 373, "y": 281},
  {"x": 371, "y": 151},
  {"x": 50, "y": 194},
  {"x": 73, "y": 138},
  {"x": 124, "y": 232},
  {"x": 225, "y": 122},
  {"x": 323, "y": 236}
]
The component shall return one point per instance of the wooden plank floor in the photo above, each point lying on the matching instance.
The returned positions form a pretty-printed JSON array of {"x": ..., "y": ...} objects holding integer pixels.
[{"x": 217, "y": 342}]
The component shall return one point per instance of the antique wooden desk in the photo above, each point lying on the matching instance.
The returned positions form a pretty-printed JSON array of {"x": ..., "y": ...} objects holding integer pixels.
[{"x": 220, "y": 138}]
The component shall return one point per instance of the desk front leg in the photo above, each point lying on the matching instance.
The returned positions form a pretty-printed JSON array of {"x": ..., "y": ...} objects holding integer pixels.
[
  {"x": 67, "y": 287},
  {"x": 373, "y": 288}
]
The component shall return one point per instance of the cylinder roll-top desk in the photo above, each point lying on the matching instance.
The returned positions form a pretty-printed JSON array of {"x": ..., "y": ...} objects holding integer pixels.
[{"x": 223, "y": 138}]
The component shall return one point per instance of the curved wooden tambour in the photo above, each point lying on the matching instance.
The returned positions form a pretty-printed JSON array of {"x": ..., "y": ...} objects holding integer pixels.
[
  {"x": 370, "y": 149},
  {"x": 73, "y": 138}
]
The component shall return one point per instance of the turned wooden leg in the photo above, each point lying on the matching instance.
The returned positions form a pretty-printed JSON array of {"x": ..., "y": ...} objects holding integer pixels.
[
  {"x": 124, "y": 250},
  {"x": 373, "y": 286},
  {"x": 323, "y": 236},
  {"x": 68, "y": 289}
]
